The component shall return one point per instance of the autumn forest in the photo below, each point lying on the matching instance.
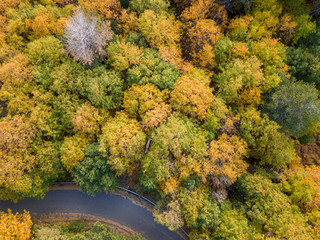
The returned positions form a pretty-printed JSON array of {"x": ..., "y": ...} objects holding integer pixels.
[{"x": 209, "y": 107}]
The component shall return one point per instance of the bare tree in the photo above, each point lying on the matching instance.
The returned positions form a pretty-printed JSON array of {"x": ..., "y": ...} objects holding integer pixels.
[{"x": 83, "y": 39}]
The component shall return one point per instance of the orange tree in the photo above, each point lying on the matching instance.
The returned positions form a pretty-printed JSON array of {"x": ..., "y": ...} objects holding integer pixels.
[{"x": 15, "y": 226}]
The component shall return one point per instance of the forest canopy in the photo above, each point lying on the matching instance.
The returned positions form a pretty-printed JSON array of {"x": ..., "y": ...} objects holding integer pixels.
[{"x": 209, "y": 107}]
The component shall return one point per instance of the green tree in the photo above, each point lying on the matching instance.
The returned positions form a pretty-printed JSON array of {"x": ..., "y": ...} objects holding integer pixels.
[
  {"x": 158, "y": 6},
  {"x": 296, "y": 107},
  {"x": 154, "y": 168},
  {"x": 300, "y": 14},
  {"x": 172, "y": 217},
  {"x": 106, "y": 90},
  {"x": 153, "y": 69},
  {"x": 291, "y": 225},
  {"x": 102, "y": 231},
  {"x": 42, "y": 112},
  {"x": 49, "y": 166},
  {"x": 237, "y": 75},
  {"x": 305, "y": 64},
  {"x": 209, "y": 215},
  {"x": 47, "y": 51},
  {"x": 93, "y": 174},
  {"x": 102, "y": 87},
  {"x": 72, "y": 151},
  {"x": 234, "y": 225},
  {"x": 63, "y": 108},
  {"x": 66, "y": 77},
  {"x": 217, "y": 114},
  {"x": 222, "y": 51},
  {"x": 124, "y": 139},
  {"x": 177, "y": 148},
  {"x": 192, "y": 203},
  {"x": 265, "y": 141},
  {"x": 123, "y": 55},
  {"x": 264, "y": 204}
]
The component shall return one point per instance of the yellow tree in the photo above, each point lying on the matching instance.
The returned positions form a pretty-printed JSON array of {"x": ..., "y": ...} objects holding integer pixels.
[
  {"x": 109, "y": 9},
  {"x": 127, "y": 22},
  {"x": 159, "y": 29},
  {"x": 265, "y": 18},
  {"x": 300, "y": 184},
  {"x": 140, "y": 99},
  {"x": 163, "y": 33},
  {"x": 192, "y": 96},
  {"x": 158, "y": 6},
  {"x": 240, "y": 50},
  {"x": 87, "y": 120},
  {"x": 314, "y": 177},
  {"x": 44, "y": 25},
  {"x": 314, "y": 217},
  {"x": 238, "y": 28},
  {"x": 250, "y": 96},
  {"x": 3, "y": 25},
  {"x": 286, "y": 28},
  {"x": 15, "y": 226},
  {"x": 6, "y": 4},
  {"x": 16, "y": 162},
  {"x": 16, "y": 71},
  {"x": 153, "y": 118},
  {"x": 199, "y": 40},
  {"x": 226, "y": 158},
  {"x": 205, "y": 9},
  {"x": 272, "y": 54},
  {"x": 72, "y": 151}
]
